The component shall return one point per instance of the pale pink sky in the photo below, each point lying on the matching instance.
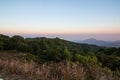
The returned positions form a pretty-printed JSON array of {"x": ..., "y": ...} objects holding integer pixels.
[{"x": 69, "y": 19}]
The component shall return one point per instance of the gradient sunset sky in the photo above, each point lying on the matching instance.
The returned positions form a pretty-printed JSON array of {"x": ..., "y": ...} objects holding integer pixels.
[{"x": 68, "y": 19}]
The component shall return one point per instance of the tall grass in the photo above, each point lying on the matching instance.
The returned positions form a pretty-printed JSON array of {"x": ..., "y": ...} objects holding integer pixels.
[
  {"x": 51, "y": 71},
  {"x": 16, "y": 67},
  {"x": 13, "y": 65}
]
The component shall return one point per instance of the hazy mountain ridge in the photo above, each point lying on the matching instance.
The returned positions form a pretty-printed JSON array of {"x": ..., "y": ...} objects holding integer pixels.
[{"x": 101, "y": 42}]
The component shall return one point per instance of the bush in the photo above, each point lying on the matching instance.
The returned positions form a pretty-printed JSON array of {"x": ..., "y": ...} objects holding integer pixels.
[{"x": 30, "y": 57}]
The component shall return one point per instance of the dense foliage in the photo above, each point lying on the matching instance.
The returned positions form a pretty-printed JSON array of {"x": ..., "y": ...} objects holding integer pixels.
[
  {"x": 46, "y": 48},
  {"x": 55, "y": 49}
]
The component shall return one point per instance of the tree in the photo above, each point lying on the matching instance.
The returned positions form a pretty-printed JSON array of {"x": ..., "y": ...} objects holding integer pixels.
[
  {"x": 4, "y": 42},
  {"x": 66, "y": 54},
  {"x": 18, "y": 43}
]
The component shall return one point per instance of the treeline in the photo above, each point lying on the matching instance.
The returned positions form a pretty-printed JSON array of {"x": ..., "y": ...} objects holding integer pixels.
[{"x": 55, "y": 49}]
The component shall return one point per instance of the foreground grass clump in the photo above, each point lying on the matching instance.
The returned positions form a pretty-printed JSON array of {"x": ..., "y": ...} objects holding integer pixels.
[
  {"x": 51, "y": 71},
  {"x": 17, "y": 67},
  {"x": 32, "y": 70}
]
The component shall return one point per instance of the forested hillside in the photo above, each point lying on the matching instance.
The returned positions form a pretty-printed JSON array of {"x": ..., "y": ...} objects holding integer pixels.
[
  {"x": 47, "y": 48},
  {"x": 96, "y": 60}
]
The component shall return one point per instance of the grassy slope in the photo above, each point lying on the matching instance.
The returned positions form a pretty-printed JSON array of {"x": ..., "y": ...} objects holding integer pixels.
[{"x": 16, "y": 67}]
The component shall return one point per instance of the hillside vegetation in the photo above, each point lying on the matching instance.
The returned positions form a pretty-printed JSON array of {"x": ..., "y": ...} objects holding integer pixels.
[{"x": 56, "y": 59}]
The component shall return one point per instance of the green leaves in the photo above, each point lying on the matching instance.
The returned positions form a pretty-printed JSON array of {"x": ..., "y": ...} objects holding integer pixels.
[{"x": 56, "y": 49}]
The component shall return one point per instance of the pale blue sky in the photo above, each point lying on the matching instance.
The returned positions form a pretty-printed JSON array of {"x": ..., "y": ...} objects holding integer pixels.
[{"x": 60, "y": 17}]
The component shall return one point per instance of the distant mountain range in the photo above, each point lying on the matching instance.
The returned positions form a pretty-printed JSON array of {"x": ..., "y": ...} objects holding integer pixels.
[{"x": 101, "y": 42}]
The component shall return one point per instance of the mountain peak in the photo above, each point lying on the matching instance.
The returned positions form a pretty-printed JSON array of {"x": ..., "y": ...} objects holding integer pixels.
[{"x": 102, "y": 42}]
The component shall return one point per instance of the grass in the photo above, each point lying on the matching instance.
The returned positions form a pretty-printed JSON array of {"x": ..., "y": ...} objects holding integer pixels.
[
  {"x": 16, "y": 67},
  {"x": 51, "y": 71},
  {"x": 11, "y": 64}
]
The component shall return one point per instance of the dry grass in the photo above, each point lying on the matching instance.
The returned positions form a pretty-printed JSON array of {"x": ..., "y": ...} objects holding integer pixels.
[
  {"x": 53, "y": 71},
  {"x": 47, "y": 71},
  {"x": 15, "y": 67}
]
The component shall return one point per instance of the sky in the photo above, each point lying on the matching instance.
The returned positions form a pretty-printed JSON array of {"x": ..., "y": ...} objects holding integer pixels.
[{"x": 68, "y": 19}]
